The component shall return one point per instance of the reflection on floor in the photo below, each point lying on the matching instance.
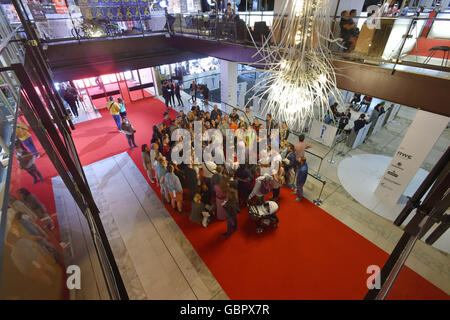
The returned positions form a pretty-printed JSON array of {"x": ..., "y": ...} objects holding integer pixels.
[
  {"x": 155, "y": 259},
  {"x": 85, "y": 114}
]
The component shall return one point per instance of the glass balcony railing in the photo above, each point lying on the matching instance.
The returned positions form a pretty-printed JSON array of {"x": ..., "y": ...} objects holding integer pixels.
[{"x": 421, "y": 39}]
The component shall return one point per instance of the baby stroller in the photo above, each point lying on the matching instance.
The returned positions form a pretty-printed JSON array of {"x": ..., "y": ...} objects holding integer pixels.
[{"x": 264, "y": 214}]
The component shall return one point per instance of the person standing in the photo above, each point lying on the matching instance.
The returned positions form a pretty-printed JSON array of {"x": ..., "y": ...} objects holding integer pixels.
[
  {"x": 161, "y": 170},
  {"x": 26, "y": 162},
  {"x": 216, "y": 113},
  {"x": 129, "y": 131},
  {"x": 123, "y": 111},
  {"x": 71, "y": 97},
  {"x": 284, "y": 131},
  {"x": 172, "y": 93},
  {"x": 147, "y": 161},
  {"x": 343, "y": 120},
  {"x": 290, "y": 163},
  {"x": 248, "y": 115},
  {"x": 376, "y": 112},
  {"x": 24, "y": 135},
  {"x": 300, "y": 147},
  {"x": 174, "y": 188},
  {"x": 359, "y": 123},
  {"x": 278, "y": 174},
  {"x": 231, "y": 206},
  {"x": 178, "y": 94},
  {"x": 221, "y": 190},
  {"x": 193, "y": 91},
  {"x": 244, "y": 178},
  {"x": 114, "y": 109},
  {"x": 367, "y": 100},
  {"x": 191, "y": 180},
  {"x": 234, "y": 116},
  {"x": 166, "y": 94},
  {"x": 270, "y": 125},
  {"x": 302, "y": 174}
]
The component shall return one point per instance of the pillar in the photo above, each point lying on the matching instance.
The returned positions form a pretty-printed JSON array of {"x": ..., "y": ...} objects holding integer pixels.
[
  {"x": 422, "y": 134},
  {"x": 228, "y": 82}
]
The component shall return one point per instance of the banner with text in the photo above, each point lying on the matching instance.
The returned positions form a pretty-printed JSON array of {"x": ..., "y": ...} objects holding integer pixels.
[
  {"x": 323, "y": 133},
  {"x": 413, "y": 150}
]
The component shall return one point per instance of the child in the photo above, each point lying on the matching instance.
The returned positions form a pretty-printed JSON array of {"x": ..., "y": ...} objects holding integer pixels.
[
  {"x": 199, "y": 214},
  {"x": 129, "y": 131}
]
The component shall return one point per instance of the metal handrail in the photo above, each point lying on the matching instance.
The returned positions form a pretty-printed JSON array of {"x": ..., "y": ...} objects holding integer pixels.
[{"x": 8, "y": 39}]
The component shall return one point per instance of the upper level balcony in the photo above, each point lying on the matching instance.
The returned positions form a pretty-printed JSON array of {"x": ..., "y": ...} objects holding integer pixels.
[{"x": 417, "y": 41}]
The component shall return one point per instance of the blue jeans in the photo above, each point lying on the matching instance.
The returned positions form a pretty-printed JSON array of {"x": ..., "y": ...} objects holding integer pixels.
[
  {"x": 300, "y": 190},
  {"x": 28, "y": 142},
  {"x": 117, "y": 120},
  {"x": 130, "y": 139},
  {"x": 230, "y": 226}
]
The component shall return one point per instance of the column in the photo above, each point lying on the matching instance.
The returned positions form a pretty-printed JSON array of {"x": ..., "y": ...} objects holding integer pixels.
[
  {"x": 228, "y": 82},
  {"x": 422, "y": 134},
  {"x": 156, "y": 81}
]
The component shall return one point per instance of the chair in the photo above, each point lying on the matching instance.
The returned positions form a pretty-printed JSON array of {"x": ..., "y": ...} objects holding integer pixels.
[
  {"x": 261, "y": 30},
  {"x": 433, "y": 50}
]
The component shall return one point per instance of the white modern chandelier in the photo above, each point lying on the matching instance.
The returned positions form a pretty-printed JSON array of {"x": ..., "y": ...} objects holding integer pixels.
[{"x": 299, "y": 78}]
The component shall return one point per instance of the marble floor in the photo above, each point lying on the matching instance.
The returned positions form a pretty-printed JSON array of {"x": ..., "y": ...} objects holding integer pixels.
[{"x": 155, "y": 259}]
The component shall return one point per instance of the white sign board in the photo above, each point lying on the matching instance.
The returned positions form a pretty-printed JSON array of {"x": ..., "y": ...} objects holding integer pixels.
[
  {"x": 213, "y": 82},
  {"x": 394, "y": 112},
  {"x": 417, "y": 143},
  {"x": 190, "y": 5},
  {"x": 362, "y": 133},
  {"x": 379, "y": 123},
  {"x": 323, "y": 133}
]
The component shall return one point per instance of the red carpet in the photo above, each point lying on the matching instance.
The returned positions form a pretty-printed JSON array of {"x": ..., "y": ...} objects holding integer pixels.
[
  {"x": 310, "y": 256},
  {"x": 423, "y": 46},
  {"x": 126, "y": 95}
]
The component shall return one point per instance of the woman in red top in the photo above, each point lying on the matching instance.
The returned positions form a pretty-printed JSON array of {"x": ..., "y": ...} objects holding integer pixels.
[{"x": 234, "y": 125}]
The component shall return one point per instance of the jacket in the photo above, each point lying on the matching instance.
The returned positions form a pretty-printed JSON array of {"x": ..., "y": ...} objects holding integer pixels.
[
  {"x": 231, "y": 208},
  {"x": 127, "y": 128},
  {"x": 172, "y": 183},
  {"x": 113, "y": 107}
]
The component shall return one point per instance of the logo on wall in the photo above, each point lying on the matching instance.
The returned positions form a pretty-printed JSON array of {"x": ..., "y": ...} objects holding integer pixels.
[
  {"x": 404, "y": 155},
  {"x": 324, "y": 128}
]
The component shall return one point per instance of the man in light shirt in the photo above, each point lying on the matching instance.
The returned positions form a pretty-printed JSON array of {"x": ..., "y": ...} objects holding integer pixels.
[{"x": 300, "y": 147}]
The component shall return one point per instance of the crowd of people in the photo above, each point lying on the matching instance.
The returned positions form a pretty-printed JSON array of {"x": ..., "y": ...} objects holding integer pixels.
[{"x": 218, "y": 189}]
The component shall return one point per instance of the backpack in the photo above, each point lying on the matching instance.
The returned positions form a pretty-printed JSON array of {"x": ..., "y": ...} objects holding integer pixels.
[{"x": 265, "y": 186}]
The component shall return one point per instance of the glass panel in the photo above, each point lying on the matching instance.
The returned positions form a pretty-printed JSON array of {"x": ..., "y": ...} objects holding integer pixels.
[
  {"x": 133, "y": 84},
  {"x": 146, "y": 75}
]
